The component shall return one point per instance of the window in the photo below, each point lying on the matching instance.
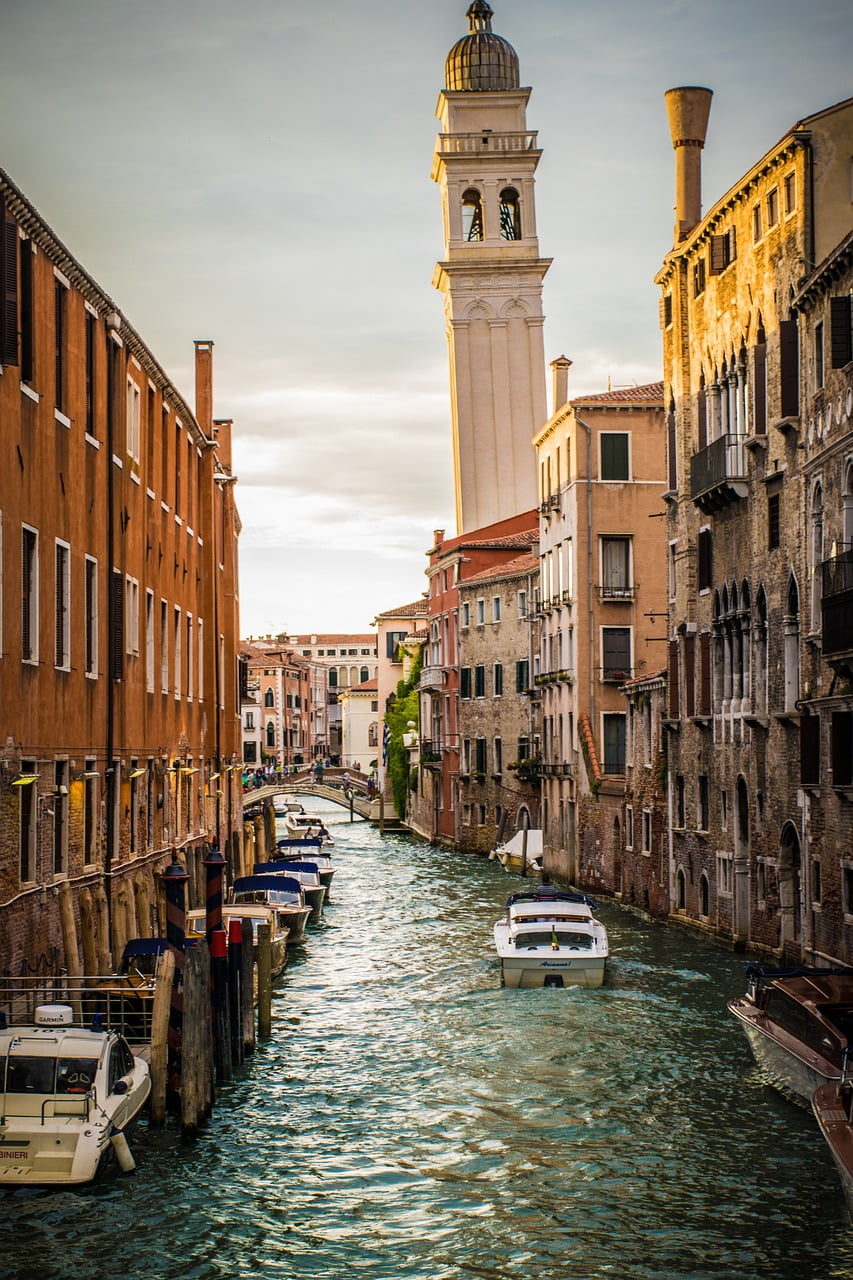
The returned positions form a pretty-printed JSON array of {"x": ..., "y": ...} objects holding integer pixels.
[
  {"x": 466, "y": 755},
  {"x": 818, "y": 355},
  {"x": 522, "y": 675},
  {"x": 841, "y": 748},
  {"x": 789, "y": 369},
  {"x": 647, "y": 831},
  {"x": 614, "y": 455},
  {"x": 481, "y": 612},
  {"x": 704, "y": 896},
  {"x": 27, "y": 313},
  {"x": 723, "y": 251},
  {"x": 479, "y": 682},
  {"x": 393, "y": 640},
  {"x": 841, "y": 331},
  {"x": 616, "y": 653},
  {"x": 757, "y": 223},
  {"x": 773, "y": 207},
  {"x": 134, "y": 398},
  {"x": 724, "y": 875},
  {"x": 679, "y": 800},
  {"x": 496, "y": 608},
  {"x": 773, "y": 520},
  {"x": 498, "y": 680},
  {"x": 480, "y": 756},
  {"x": 667, "y": 311},
  {"x": 614, "y": 742},
  {"x": 699, "y": 278},
  {"x": 466, "y": 614},
  {"x": 190, "y": 657},
  {"x": 510, "y": 214},
  {"x": 59, "y": 804},
  {"x": 29, "y": 595},
  {"x": 816, "y": 884},
  {"x": 810, "y": 751},
  {"x": 465, "y": 682},
  {"x": 472, "y": 215},
  {"x": 363, "y": 675},
  {"x": 270, "y": 733},
  {"x": 702, "y": 805},
  {"x": 90, "y": 591},
  {"x": 629, "y": 826},
  {"x": 705, "y": 560},
  {"x": 149, "y": 641},
  {"x": 62, "y": 615},
  {"x": 789, "y": 187},
  {"x": 177, "y": 652},
  {"x": 616, "y": 568},
  {"x": 131, "y": 615},
  {"x": 60, "y": 294},
  {"x": 269, "y": 698},
  {"x": 498, "y": 753},
  {"x": 90, "y": 811},
  {"x": 164, "y": 647},
  {"x": 522, "y": 604},
  {"x": 27, "y": 804}
]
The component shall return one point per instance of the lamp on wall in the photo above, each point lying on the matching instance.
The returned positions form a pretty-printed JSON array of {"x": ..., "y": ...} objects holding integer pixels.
[
  {"x": 136, "y": 773},
  {"x": 24, "y": 779}
]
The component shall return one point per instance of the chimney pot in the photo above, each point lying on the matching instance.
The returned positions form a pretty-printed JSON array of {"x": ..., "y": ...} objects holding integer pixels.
[{"x": 688, "y": 108}]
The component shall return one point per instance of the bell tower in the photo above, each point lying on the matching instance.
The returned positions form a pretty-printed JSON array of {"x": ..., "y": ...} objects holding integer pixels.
[{"x": 491, "y": 275}]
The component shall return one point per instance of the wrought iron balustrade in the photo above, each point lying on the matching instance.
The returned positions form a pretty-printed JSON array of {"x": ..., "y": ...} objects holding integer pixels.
[{"x": 718, "y": 473}]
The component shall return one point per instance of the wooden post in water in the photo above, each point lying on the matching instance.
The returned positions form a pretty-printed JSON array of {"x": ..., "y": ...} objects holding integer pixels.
[
  {"x": 248, "y": 988},
  {"x": 196, "y": 1053},
  {"x": 219, "y": 995},
  {"x": 160, "y": 1037},
  {"x": 72, "y": 951},
  {"x": 264, "y": 981},
  {"x": 235, "y": 989},
  {"x": 381, "y": 814}
]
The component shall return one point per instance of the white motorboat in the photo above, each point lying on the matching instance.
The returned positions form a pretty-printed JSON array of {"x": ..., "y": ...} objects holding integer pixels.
[
  {"x": 68, "y": 1092},
  {"x": 282, "y": 892},
  {"x": 306, "y": 872},
  {"x": 259, "y": 913},
  {"x": 306, "y": 826},
  {"x": 522, "y": 853},
  {"x": 550, "y": 938},
  {"x": 310, "y": 851},
  {"x": 798, "y": 1022}
]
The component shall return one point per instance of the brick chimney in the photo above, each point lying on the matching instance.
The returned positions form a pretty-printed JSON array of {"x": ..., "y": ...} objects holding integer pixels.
[
  {"x": 560, "y": 382},
  {"x": 204, "y": 386},
  {"x": 688, "y": 109}
]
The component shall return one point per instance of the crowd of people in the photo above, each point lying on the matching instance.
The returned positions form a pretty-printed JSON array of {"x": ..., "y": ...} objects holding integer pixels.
[{"x": 271, "y": 774}]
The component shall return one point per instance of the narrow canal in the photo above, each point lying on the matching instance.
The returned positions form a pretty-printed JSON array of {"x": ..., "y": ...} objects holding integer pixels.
[{"x": 410, "y": 1118}]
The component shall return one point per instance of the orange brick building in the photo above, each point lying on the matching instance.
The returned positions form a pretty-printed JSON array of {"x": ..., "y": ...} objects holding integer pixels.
[{"x": 119, "y": 703}]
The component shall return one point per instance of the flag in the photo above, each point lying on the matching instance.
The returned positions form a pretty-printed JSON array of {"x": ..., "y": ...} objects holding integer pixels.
[
  {"x": 386, "y": 738},
  {"x": 555, "y": 946}
]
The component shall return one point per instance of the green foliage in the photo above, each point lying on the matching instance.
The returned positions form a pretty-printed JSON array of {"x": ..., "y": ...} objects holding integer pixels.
[{"x": 405, "y": 708}]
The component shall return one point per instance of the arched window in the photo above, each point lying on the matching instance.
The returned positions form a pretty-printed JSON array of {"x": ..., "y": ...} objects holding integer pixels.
[
  {"x": 510, "y": 214},
  {"x": 759, "y": 632},
  {"x": 269, "y": 698},
  {"x": 704, "y": 896},
  {"x": 847, "y": 509},
  {"x": 270, "y": 733},
  {"x": 333, "y": 677},
  {"x": 791, "y": 627},
  {"x": 790, "y": 889},
  {"x": 364, "y": 675},
  {"x": 373, "y": 734},
  {"x": 472, "y": 215},
  {"x": 681, "y": 890}
]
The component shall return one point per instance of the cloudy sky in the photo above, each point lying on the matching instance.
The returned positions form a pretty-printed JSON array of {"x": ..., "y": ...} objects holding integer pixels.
[{"x": 258, "y": 174}]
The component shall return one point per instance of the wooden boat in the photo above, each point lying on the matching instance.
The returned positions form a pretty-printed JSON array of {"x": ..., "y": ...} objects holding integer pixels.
[
  {"x": 797, "y": 1022},
  {"x": 282, "y": 892},
  {"x": 68, "y": 1092},
  {"x": 258, "y": 913},
  {"x": 551, "y": 938},
  {"x": 832, "y": 1105}
]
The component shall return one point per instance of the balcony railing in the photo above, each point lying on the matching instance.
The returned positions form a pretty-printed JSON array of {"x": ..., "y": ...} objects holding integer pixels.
[
  {"x": 718, "y": 474},
  {"x": 431, "y": 678},
  {"x": 485, "y": 140},
  {"x": 837, "y": 604},
  {"x": 616, "y": 593},
  {"x": 430, "y": 751}
]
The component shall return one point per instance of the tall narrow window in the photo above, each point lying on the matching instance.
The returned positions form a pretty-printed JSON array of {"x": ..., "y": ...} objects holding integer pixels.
[
  {"x": 616, "y": 568},
  {"x": 472, "y": 215},
  {"x": 615, "y": 653},
  {"x": 131, "y": 616},
  {"x": 27, "y": 804},
  {"x": 498, "y": 679},
  {"x": 59, "y": 804},
  {"x": 789, "y": 358},
  {"x": 90, "y": 812},
  {"x": 614, "y": 455},
  {"x": 29, "y": 595},
  {"x": 178, "y": 459},
  {"x": 200, "y": 671},
  {"x": 190, "y": 657},
  {"x": 149, "y": 641},
  {"x": 510, "y": 214},
  {"x": 177, "y": 654},
  {"x": 116, "y": 625},
  {"x": 818, "y": 356},
  {"x": 62, "y": 614},
  {"x": 8, "y": 287},
  {"x": 164, "y": 647},
  {"x": 27, "y": 313},
  {"x": 705, "y": 560},
  {"x": 90, "y": 604},
  {"x": 134, "y": 404},
  {"x": 90, "y": 375},
  {"x": 60, "y": 294},
  {"x": 614, "y": 732},
  {"x": 841, "y": 330}
]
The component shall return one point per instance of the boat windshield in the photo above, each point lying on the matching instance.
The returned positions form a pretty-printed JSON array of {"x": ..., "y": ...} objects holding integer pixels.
[
  {"x": 546, "y": 937},
  {"x": 50, "y": 1075}
]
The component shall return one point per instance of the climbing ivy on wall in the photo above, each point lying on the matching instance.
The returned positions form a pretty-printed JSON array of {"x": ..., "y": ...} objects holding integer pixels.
[{"x": 405, "y": 708}]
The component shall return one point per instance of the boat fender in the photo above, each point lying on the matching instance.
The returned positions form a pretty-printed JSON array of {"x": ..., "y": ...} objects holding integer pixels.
[{"x": 126, "y": 1162}]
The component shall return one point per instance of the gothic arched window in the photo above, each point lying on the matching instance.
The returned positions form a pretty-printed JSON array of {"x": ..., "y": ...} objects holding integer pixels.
[
  {"x": 816, "y": 556},
  {"x": 270, "y": 733},
  {"x": 510, "y": 214},
  {"x": 472, "y": 215},
  {"x": 269, "y": 698}
]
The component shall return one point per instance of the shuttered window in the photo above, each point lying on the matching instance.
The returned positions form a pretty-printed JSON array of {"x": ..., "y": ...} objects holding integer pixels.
[
  {"x": 59, "y": 337},
  {"x": 705, "y": 673},
  {"x": 759, "y": 404},
  {"x": 841, "y": 748},
  {"x": 27, "y": 312},
  {"x": 116, "y": 625},
  {"x": 90, "y": 604},
  {"x": 8, "y": 287},
  {"x": 479, "y": 682},
  {"x": 841, "y": 336},
  {"x": 522, "y": 676},
  {"x": 810, "y": 751},
  {"x": 616, "y": 653},
  {"x": 498, "y": 680},
  {"x": 62, "y": 615},
  {"x": 789, "y": 369},
  {"x": 465, "y": 682},
  {"x": 705, "y": 560},
  {"x": 690, "y": 675},
  {"x": 614, "y": 455},
  {"x": 673, "y": 700},
  {"x": 29, "y": 595},
  {"x": 671, "y": 451}
]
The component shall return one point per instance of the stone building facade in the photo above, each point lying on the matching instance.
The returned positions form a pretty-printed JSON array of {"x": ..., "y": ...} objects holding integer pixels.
[
  {"x": 745, "y": 308},
  {"x": 641, "y": 837},
  {"x": 280, "y": 710},
  {"x": 602, "y": 597},
  {"x": 119, "y": 687},
  {"x": 498, "y": 720}
]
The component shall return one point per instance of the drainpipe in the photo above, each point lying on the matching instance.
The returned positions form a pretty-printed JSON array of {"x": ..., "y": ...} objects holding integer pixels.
[{"x": 113, "y": 324}]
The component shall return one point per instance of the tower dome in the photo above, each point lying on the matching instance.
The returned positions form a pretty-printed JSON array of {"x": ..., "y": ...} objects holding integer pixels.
[{"x": 481, "y": 61}]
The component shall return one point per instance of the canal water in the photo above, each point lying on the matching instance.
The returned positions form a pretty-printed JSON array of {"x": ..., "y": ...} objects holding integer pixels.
[{"x": 411, "y": 1118}]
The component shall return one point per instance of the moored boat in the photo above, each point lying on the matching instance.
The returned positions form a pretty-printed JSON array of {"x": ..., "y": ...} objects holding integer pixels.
[
  {"x": 550, "y": 938},
  {"x": 288, "y": 850},
  {"x": 68, "y": 1092},
  {"x": 832, "y": 1105},
  {"x": 797, "y": 1022},
  {"x": 305, "y": 872},
  {"x": 522, "y": 853},
  {"x": 259, "y": 913},
  {"x": 282, "y": 892}
]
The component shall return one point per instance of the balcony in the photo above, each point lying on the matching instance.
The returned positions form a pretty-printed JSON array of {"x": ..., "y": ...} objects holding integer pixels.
[
  {"x": 553, "y": 677},
  {"x": 837, "y": 611},
  {"x": 558, "y": 769},
  {"x": 485, "y": 140},
  {"x": 718, "y": 474},
  {"x": 431, "y": 678},
  {"x": 613, "y": 594},
  {"x": 431, "y": 753}
]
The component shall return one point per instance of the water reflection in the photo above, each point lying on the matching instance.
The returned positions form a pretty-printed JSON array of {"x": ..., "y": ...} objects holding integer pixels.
[{"x": 411, "y": 1118}]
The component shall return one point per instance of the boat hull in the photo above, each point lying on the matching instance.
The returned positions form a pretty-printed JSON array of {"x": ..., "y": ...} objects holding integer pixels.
[
  {"x": 794, "y": 1069},
  {"x": 828, "y": 1105},
  {"x": 546, "y": 967}
]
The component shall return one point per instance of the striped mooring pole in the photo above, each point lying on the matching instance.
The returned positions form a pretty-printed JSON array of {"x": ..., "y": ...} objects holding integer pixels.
[
  {"x": 175, "y": 879},
  {"x": 214, "y": 866}
]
